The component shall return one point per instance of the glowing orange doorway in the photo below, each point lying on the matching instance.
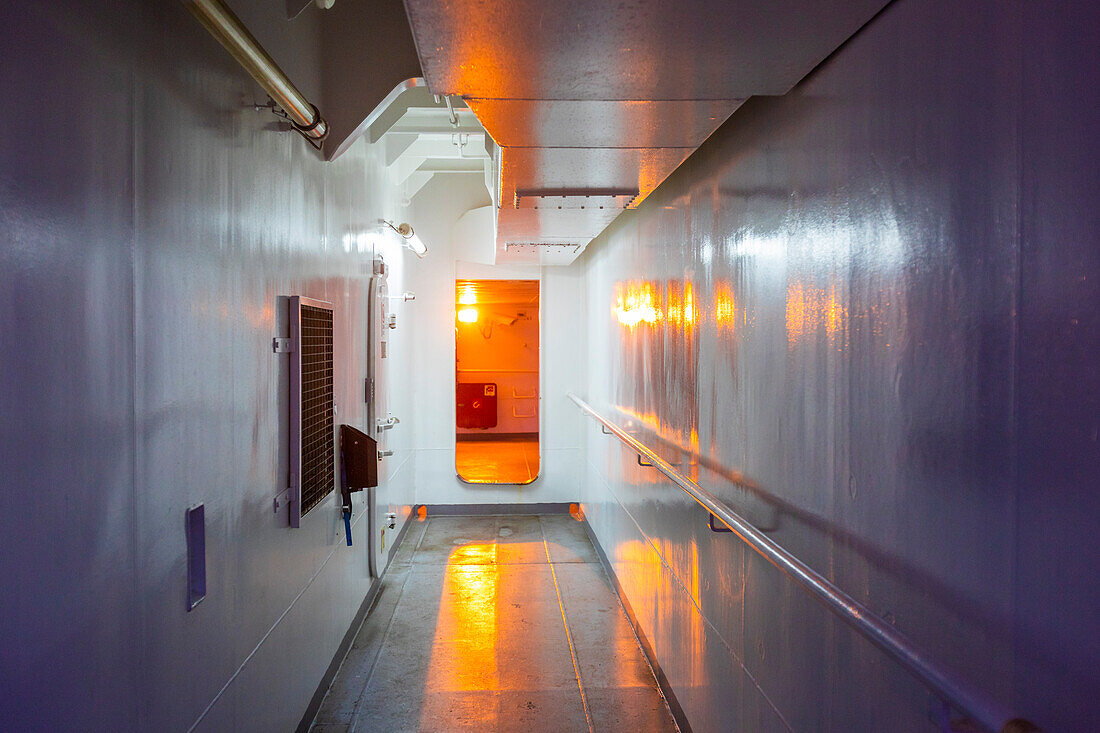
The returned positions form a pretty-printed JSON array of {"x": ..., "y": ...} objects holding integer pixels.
[{"x": 497, "y": 381}]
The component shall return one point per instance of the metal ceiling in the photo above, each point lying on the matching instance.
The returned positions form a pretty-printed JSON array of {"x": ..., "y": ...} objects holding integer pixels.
[
  {"x": 586, "y": 97},
  {"x": 369, "y": 59}
]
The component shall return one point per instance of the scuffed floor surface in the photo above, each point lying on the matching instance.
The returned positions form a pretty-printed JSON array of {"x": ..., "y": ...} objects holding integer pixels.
[{"x": 495, "y": 623}]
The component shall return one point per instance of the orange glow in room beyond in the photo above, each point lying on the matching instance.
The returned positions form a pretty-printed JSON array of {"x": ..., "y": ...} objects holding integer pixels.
[{"x": 497, "y": 381}]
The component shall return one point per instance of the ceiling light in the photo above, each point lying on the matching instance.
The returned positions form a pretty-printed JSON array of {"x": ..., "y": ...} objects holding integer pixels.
[{"x": 468, "y": 315}]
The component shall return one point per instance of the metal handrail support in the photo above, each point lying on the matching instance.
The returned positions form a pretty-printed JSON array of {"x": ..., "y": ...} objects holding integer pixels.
[
  {"x": 976, "y": 706},
  {"x": 225, "y": 26}
]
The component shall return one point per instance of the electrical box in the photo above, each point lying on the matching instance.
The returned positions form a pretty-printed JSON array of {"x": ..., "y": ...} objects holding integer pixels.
[{"x": 358, "y": 459}]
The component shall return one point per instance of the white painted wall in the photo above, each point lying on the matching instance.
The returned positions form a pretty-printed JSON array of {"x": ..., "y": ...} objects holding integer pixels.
[
  {"x": 426, "y": 391},
  {"x": 150, "y": 230}
]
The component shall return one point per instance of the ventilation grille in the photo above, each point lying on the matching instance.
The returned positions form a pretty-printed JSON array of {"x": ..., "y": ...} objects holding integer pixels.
[
  {"x": 575, "y": 198},
  {"x": 543, "y": 247},
  {"x": 312, "y": 424}
]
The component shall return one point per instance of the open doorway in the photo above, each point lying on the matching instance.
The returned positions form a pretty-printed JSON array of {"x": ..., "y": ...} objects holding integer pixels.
[{"x": 497, "y": 381}]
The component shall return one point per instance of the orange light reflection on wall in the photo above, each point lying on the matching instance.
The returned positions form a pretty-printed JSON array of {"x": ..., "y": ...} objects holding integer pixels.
[
  {"x": 689, "y": 313},
  {"x": 482, "y": 64},
  {"x": 725, "y": 306},
  {"x": 698, "y": 636},
  {"x": 674, "y": 303},
  {"x": 796, "y": 313},
  {"x": 640, "y": 568},
  {"x": 680, "y": 308},
  {"x": 651, "y": 421},
  {"x": 642, "y": 574},
  {"x": 835, "y": 313},
  {"x": 809, "y": 308},
  {"x": 636, "y": 303}
]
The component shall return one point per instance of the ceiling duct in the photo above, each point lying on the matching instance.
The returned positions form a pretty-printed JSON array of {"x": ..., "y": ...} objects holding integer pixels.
[{"x": 611, "y": 96}]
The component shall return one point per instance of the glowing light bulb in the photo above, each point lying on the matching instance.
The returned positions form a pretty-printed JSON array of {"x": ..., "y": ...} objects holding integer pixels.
[{"x": 468, "y": 315}]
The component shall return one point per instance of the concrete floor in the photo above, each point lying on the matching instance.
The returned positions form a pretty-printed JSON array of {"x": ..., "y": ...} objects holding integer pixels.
[
  {"x": 495, "y": 623},
  {"x": 497, "y": 461}
]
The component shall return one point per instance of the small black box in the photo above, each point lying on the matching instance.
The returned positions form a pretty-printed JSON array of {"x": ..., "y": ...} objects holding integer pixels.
[{"x": 359, "y": 458}]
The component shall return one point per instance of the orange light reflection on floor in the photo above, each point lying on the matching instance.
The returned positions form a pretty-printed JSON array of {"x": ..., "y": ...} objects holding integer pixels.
[
  {"x": 477, "y": 608},
  {"x": 497, "y": 461},
  {"x": 464, "y": 653}
]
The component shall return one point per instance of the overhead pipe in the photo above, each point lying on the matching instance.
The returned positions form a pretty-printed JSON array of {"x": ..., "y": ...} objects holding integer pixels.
[{"x": 225, "y": 26}]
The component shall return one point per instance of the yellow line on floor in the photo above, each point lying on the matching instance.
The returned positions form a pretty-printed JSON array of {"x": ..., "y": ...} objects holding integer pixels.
[{"x": 568, "y": 635}]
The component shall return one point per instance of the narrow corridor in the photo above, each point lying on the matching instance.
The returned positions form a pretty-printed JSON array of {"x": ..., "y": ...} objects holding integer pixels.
[
  {"x": 317, "y": 311},
  {"x": 495, "y": 623}
]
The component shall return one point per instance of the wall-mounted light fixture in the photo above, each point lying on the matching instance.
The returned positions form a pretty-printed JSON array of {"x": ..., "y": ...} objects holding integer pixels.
[{"x": 412, "y": 241}]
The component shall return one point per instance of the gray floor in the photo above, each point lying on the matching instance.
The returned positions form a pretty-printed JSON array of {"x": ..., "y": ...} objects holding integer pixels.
[{"x": 499, "y": 623}]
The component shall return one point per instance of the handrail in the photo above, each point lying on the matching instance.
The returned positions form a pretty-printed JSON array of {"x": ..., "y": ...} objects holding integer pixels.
[
  {"x": 980, "y": 710},
  {"x": 225, "y": 26}
]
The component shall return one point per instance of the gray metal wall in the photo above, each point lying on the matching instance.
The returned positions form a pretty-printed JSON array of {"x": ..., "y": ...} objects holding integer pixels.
[
  {"x": 900, "y": 385},
  {"x": 149, "y": 225}
]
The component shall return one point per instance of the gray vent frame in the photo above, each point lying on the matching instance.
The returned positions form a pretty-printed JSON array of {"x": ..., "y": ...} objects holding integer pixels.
[{"x": 296, "y": 411}]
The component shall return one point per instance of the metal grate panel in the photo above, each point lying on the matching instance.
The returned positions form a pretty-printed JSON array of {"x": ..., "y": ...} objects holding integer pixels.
[
  {"x": 312, "y": 419},
  {"x": 317, "y": 419}
]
